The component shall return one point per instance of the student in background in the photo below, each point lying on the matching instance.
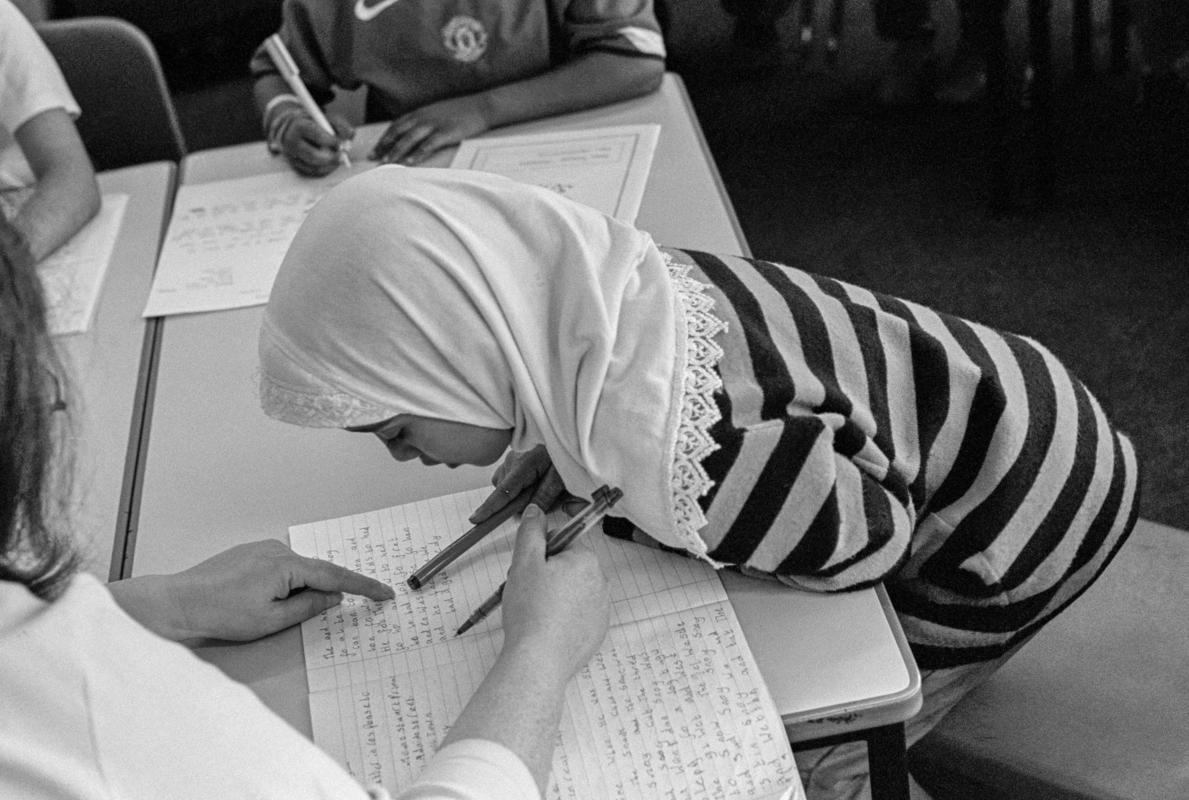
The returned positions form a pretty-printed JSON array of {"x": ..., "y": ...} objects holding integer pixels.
[
  {"x": 1162, "y": 30},
  {"x": 908, "y": 78},
  {"x": 443, "y": 72},
  {"x": 96, "y": 701},
  {"x": 803, "y": 429},
  {"x": 44, "y": 168}
]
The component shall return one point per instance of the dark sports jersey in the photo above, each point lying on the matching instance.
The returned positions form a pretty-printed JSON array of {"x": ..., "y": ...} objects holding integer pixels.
[{"x": 413, "y": 52}]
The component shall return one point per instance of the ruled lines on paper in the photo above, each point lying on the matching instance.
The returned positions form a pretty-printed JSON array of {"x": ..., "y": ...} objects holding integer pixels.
[{"x": 671, "y": 705}]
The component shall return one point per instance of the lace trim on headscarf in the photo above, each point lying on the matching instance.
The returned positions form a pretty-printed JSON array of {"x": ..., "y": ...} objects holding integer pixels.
[
  {"x": 321, "y": 410},
  {"x": 698, "y": 412}
]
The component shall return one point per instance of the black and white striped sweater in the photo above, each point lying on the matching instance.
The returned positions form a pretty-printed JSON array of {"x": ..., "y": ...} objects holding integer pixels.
[{"x": 865, "y": 439}]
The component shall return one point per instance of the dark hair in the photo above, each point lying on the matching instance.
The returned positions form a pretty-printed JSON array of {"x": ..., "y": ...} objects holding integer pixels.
[{"x": 32, "y": 552}]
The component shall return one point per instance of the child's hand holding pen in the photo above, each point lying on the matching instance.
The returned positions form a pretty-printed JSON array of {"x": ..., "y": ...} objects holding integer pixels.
[
  {"x": 309, "y": 148},
  {"x": 296, "y": 125},
  {"x": 518, "y": 472},
  {"x": 523, "y": 478}
]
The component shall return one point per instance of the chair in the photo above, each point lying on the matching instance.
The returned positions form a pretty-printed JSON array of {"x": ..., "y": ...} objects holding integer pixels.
[
  {"x": 113, "y": 71},
  {"x": 1093, "y": 708}
]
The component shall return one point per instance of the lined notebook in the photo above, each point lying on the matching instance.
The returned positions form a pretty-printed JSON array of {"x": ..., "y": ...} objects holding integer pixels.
[{"x": 672, "y": 705}]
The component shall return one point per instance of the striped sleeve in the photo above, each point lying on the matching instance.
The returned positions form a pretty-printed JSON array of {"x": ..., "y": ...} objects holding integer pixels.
[
  {"x": 624, "y": 27},
  {"x": 807, "y": 484},
  {"x": 866, "y": 438},
  {"x": 792, "y": 506}
]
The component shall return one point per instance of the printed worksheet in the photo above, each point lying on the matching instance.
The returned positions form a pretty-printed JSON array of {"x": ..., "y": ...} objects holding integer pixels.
[
  {"x": 72, "y": 276},
  {"x": 605, "y": 168},
  {"x": 672, "y": 704},
  {"x": 226, "y": 240}
]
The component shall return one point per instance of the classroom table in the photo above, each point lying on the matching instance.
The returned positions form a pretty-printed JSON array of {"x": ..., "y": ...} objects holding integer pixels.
[
  {"x": 217, "y": 472},
  {"x": 108, "y": 373}
]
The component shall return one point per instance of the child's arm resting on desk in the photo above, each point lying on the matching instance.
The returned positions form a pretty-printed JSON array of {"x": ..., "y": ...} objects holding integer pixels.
[
  {"x": 615, "y": 52},
  {"x": 243, "y": 593},
  {"x": 790, "y": 506},
  {"x": 66, "y": 195}
]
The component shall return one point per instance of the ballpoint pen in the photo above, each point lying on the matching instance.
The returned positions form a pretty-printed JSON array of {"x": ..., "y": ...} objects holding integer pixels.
[
  {"x": 288, "y": 68},
  {"x": 559, "y": 540},
  {"x": 469, "y": 539}
]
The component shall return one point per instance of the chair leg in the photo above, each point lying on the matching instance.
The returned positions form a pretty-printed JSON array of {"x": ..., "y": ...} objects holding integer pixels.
[
  {"x": 1041, "y": 57},
  {"x": 1120, "y": 25},
  {"x": 998, "y": 116},
  {"x": 1083, "y": 37}
]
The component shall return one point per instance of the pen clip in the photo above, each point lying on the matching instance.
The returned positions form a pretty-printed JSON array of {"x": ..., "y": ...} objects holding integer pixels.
[{"x": 601, "y": 502}]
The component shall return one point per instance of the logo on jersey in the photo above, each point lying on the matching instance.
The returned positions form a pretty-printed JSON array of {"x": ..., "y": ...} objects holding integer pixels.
[
  {"x": 366, "y": 13},
  {"x": 465, "y": 38}
]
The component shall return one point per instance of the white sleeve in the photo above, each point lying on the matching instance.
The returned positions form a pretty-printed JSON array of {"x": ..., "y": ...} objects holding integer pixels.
[
  {"x": 473, "y": 769},
  {"x": 30, "y": 81}
]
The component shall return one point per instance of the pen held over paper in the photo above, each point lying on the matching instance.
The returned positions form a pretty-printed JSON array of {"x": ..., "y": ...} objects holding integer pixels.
[
  {"x": 287, "y": 67},
  {"x": 559, "y": 540},
  {"x": 469, "y": 539}
]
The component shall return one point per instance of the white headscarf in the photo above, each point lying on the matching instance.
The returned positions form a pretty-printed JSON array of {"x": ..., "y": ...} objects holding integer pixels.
[{"x": 467, "y": 297}]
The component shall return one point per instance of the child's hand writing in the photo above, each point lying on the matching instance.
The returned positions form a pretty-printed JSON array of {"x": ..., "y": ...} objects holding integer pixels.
[{"x": 310, "y": 150}]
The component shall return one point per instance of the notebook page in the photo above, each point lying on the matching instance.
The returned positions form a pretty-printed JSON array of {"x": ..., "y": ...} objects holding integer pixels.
[
  {"x": 226, "y": 239},
  {"x": 389, "y": 544},
  {"x": 672, "y": 702},
  {"x": 670, "y": 706}
]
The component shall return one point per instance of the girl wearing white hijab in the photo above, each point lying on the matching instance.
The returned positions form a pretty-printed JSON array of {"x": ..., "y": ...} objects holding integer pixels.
[{"x": 754, "y": 414}]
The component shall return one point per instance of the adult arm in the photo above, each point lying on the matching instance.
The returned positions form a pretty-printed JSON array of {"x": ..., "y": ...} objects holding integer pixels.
[
  {"x": 592, "y": 79},
  {"x": 66, "y": 194},
  {"x": 555, "y": 615},
  {"x": 243, "y": 593}
]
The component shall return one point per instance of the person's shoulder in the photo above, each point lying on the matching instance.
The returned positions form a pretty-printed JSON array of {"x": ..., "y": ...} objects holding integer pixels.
[{"x": 15, "y": 28}]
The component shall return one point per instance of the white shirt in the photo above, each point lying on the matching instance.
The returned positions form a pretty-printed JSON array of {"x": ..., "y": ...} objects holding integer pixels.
[
  {"x": 95, "y": 706},
  {"x": 30, "y": 83}
]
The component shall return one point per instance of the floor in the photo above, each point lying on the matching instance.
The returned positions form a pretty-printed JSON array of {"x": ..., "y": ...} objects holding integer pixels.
[{"x": 897, "y": 202}]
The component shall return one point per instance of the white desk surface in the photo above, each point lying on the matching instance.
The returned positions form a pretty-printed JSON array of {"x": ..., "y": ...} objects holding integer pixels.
[
  {"x": 105, "y": 364},
  {"x": 218, "y": 472}
]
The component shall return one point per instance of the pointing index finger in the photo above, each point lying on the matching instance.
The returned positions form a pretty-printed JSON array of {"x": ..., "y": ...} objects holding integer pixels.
[{"x": 328, "y": 577}]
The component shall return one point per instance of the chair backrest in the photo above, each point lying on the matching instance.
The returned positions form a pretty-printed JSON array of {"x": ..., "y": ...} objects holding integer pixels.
[{"x": 113, "y": 71}]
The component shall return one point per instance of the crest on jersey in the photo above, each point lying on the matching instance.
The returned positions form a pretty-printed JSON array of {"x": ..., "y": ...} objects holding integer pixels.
[{"x": 465, "y": 38}]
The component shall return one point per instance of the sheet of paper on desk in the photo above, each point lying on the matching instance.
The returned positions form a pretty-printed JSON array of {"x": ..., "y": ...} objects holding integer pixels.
[
  {"x": 72, "y": 276},
  {"x": 671, "y": 705},
  {"x": 606, "y": 168},
  {"x": 226, "y": 240}
]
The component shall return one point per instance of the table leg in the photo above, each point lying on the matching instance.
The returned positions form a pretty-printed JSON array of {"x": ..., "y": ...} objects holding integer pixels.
[{"x": 887, "y": 759}]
